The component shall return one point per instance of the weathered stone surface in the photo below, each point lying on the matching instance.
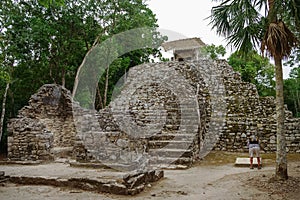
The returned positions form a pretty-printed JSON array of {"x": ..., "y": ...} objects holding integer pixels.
[
  {"x": 61, "y": 175},
  {"x": 176, "y": 111}
]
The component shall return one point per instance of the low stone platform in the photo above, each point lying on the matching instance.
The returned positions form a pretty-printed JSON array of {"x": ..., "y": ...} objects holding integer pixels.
[
  {"x": 245, "y": 162},
  {"x": 97, "y": 180}
]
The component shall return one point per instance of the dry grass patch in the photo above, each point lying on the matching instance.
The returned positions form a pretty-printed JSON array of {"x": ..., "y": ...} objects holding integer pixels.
[{"x": 218, "y": 158}]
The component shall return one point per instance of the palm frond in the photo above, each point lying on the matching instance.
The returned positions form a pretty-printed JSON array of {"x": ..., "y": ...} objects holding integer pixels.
[
  {"x": 260, "y": 4},
  {"x": 279, "y": 40},
  {"x": 220, "y": 20},
  {"x": 240, "y": 22}
]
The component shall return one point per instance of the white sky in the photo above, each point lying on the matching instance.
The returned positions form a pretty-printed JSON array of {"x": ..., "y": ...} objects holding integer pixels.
[{"x": 188, "y": 19}]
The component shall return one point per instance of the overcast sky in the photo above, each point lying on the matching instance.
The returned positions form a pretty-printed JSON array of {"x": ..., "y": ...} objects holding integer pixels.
[{"x": 187, "y": 18}]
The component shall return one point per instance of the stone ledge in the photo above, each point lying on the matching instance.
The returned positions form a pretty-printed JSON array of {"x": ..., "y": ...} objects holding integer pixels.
[
  {"x": 130, "y": 185},
  {"x": 245, "y": 162},
  {"x": 27, "y": 162},
  {"x": 95, "y": 180}
]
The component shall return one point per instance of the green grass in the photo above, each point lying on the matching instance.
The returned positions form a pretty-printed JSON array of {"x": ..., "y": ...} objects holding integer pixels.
[{"x": 222, "y": 158}]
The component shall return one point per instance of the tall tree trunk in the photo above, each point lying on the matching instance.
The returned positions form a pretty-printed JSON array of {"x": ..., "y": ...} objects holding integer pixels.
[
  {"x": 295, "y": 102},
  {"x": 3, "y": 110},
  {"x": 272, "y": 12},
  {"x": 63, "y": 77},
  {"x": 76, "y": 82},
  {"x": 298, "y": 100},
  {"x": 281, "y": 161},
  {"x": 100, "y": 98},
  {"x": 106, "y": 86}
]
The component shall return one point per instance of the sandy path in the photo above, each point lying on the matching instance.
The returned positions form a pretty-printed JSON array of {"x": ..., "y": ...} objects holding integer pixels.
[{"x": 200, "y": 182}]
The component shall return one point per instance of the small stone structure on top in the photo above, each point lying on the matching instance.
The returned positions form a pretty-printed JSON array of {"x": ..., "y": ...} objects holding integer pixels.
[{"x": 184, "y": 49}]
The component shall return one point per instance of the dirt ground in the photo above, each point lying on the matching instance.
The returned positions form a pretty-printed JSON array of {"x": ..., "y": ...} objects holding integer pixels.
[{"x": 214, "y": 177}]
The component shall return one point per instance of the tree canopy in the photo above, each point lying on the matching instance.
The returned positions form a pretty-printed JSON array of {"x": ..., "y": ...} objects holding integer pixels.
[
  {"x": 292, "y": 91},
  {"x": 213, "y": 52},
  {"x": 45, "y": 41},
  {"x": 255, "y": 69}
]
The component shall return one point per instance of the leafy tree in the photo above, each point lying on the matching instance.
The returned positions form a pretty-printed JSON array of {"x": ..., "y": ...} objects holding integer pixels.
[
  {"x": 5, "y": 78},
  {"x": 255, "y": 69},
  {"x": 292, "y": 91},
  {"x": 245, "y": 26},
  {"x": 45, "y": 41},
  {"x": 214, "y": 52},
  {"x": 49, "y": 3},
  {"x": 124, "y": 15},
  {"x": 293, "y": 23},
  {"x": 49, "y": 42}
]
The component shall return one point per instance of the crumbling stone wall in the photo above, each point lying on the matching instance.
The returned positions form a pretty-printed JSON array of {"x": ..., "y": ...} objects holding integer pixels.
[
  {"x": 31, "y": 140},
  {"x": 53, "y": 126},
  {"x": 44, "y": 129},
  {"x": 247, "y": 114}
]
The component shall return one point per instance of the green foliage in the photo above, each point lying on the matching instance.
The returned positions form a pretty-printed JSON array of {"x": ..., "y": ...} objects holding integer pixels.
[
  {"x": 4, "y": 76},
  {"x": 46, "y": 44},
  {"x": 292, "y": 91},
  {"x": 116, "y": 70},
  {"x": 49, "y": 3},
  {"x": 43, "y": 45},
  {"x": 255, "y": 69},
  {"x": 45, "y": 41},
  {"x": 260, "y": 23},
  {"x": 240, "y": 22},
  {"x": 212, "y": 51},
  {"x": 245, "y": 23},
  {"x": 294, "y": 58}
]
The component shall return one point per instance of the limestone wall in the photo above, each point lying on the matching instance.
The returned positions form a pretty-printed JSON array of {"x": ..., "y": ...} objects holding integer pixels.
[
  {"x": 30, "y": 140},
  {"x": 44, "y": 128},
  {"x": 247, "y": 114}
]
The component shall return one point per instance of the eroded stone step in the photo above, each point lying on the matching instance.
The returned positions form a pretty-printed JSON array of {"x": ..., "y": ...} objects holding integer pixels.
[
  {"x": 169, "y": 160},
  {"x": 114, "y": 182},
  {"x": 172, "y": 136},
  {"x": 169, "y": 166},
  {"x": 181, "y": 144},
  {"x": 174, "y": 153}
]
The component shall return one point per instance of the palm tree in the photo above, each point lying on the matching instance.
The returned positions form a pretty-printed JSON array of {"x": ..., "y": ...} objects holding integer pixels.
[{"x": 248, "y": 24}]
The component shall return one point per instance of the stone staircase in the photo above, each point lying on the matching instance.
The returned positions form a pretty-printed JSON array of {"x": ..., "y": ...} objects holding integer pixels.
[{"x": 168, "y": 150}]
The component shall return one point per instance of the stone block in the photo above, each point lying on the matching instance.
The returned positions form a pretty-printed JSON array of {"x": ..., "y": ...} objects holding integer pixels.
[{"x": 246, "y": 161}]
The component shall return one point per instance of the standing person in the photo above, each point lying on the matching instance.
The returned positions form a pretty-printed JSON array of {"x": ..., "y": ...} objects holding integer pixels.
[{"x": 253, "y": 145}]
